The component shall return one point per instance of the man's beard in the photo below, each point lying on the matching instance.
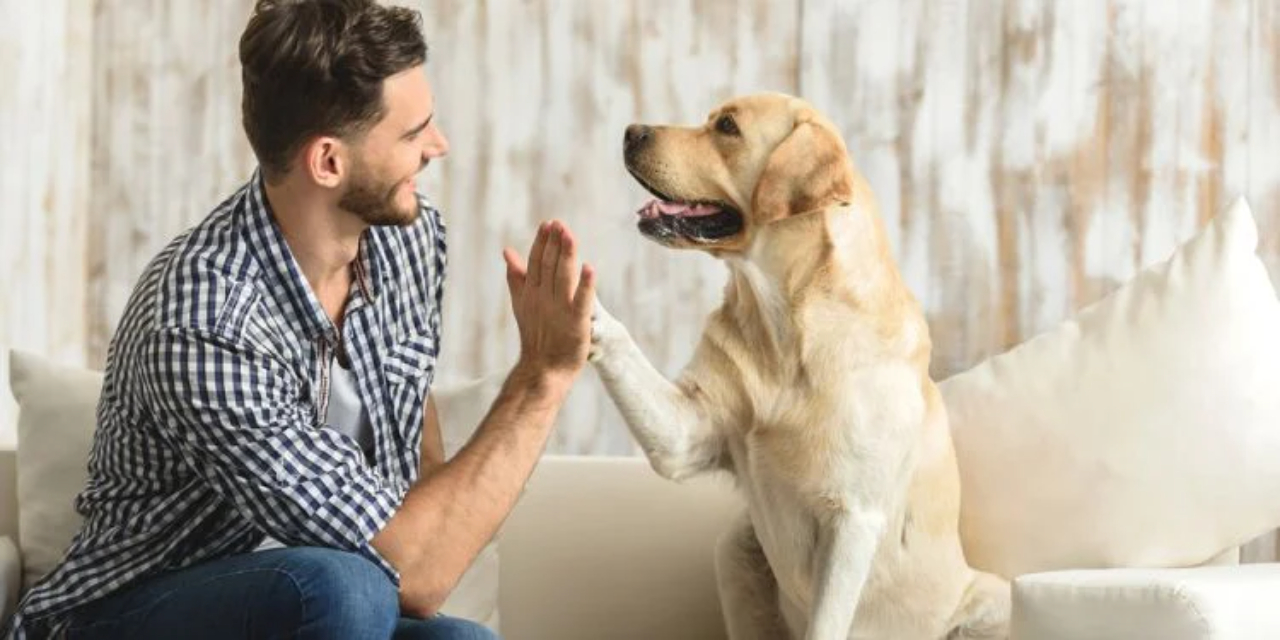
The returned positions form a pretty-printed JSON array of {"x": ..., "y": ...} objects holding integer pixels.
[{"x": 374, "y": 201}]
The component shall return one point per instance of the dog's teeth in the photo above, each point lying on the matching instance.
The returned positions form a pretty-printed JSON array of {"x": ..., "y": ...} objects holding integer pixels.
[{"x": 649, "y": 210}]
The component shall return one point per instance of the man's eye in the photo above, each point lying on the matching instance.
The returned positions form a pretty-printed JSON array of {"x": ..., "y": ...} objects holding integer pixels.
[{"x": 727, "y": 126}]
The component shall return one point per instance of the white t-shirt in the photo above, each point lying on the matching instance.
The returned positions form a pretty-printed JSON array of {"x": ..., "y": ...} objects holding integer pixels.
[{"x": 346, "y": 415}]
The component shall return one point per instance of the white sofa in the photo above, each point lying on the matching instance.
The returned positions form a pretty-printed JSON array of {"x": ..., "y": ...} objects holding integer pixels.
[
  {"x": 604, "y": 548},
  {"x": 1111, "y": 467}
]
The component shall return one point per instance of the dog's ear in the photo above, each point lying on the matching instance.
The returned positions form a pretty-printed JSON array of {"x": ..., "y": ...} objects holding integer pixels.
[{"x": 808, "y": 171}]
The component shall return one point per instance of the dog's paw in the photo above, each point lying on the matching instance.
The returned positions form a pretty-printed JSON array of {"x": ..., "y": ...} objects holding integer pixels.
[{"x": 606, "y": 333}]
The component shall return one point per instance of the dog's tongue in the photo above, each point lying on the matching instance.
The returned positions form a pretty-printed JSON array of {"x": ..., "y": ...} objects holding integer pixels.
[{"x": 654, "y": 208}]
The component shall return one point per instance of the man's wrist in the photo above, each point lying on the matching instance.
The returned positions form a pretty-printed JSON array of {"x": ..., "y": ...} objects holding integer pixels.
[{"x": 540, "y": 382}]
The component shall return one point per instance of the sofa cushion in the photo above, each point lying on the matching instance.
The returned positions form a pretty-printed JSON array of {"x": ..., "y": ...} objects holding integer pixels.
[
  {"x": 1143, "y": 432},
  {"x": 1210, "y": 603},
  {"x": 56, "y": 408},
  {"x": 56, "y": 416}
]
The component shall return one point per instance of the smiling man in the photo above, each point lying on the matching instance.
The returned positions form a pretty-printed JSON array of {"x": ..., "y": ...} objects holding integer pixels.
[{"x": 267, "y": 460}]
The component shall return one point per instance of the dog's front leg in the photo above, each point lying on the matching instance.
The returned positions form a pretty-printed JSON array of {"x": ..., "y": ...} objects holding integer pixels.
[
  {"x": 847, "y": 541},
  {"x": 665, "y": 420}
]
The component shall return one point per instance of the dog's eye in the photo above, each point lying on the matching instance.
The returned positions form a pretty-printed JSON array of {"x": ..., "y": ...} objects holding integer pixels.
[{"x": 726, "y": 125}]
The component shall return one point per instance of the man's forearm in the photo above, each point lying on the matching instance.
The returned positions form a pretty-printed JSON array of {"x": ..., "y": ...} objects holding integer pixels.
[{"x": 453, "y": 511}]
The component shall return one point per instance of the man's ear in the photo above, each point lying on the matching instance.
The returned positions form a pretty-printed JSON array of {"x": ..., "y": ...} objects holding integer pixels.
[
  {"x": 325, "y": 159},
  {"x": 809, "y": 170}
]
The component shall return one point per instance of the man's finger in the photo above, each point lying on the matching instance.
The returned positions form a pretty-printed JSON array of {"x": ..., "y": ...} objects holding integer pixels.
[
  {"x": 584, "y": 300},
  {"x": 550, "y": 256},
  {"x": 567, "y": 267},
  {"x": 534, "y": 270}
]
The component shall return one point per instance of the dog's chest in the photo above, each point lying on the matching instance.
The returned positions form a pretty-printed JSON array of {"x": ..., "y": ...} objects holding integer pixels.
[
  {"x": 786, "y": 530},
  {"x": 779, "y": 480},
  {"x": 817, "y": 450}
]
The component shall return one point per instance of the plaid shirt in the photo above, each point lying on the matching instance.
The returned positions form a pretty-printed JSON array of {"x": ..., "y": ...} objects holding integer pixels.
[{"x": 209, "y": 430}]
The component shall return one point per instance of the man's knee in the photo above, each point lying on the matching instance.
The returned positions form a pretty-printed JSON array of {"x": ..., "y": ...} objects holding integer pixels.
[{"x": 342, "y": 595}]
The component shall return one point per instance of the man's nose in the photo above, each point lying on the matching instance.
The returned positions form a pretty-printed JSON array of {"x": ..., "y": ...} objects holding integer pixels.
[{"x": 437, "y": 147}]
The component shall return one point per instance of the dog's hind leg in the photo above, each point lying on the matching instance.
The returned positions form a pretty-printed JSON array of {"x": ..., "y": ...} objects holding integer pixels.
[
  {"x": 748, "y": 590},
  {"x": 984, "y": 612}
]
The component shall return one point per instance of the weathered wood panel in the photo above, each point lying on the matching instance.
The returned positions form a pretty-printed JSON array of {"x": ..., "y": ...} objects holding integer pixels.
[
  {"x": 167, "y": 145},
  {"x": 45, "y": 53},
  {"x": 1263, "y": 139}
]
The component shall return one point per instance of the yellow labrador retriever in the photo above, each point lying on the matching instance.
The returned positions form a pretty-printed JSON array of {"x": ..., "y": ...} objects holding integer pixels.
[{"x": 810, "y": 386}]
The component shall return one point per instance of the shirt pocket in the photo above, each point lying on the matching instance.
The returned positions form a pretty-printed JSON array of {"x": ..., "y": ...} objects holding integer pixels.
[
  {"x": 408, "y": 366},
  {"x": 410, "y": 363}
]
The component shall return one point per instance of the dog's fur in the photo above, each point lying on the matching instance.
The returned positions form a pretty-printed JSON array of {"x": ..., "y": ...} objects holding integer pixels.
[{"x": 810, "y": 386}]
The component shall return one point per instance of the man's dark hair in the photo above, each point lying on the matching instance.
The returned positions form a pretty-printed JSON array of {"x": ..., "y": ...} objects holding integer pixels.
[{"x": 315, "y": 67}]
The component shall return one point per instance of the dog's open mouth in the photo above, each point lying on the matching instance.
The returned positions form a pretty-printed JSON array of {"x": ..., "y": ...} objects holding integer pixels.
[{"x": 666, "y": 218}]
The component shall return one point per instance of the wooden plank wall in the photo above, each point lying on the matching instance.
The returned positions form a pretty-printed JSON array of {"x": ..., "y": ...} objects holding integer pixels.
[
  {"x": 45, "y": 134},
  {"x": 1029, "y": 154},
  {"x": 167, "y": 142}
]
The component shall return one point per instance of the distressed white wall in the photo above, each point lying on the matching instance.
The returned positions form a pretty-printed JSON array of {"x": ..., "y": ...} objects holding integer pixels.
[{"x": 45, "y": 69}]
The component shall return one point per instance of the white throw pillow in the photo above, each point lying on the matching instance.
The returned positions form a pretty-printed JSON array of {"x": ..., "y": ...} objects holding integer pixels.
[
  {"x": 1145, "y": 432},
  {"x": 57, "y": 407},
  {"x": 56, "y": 415}
]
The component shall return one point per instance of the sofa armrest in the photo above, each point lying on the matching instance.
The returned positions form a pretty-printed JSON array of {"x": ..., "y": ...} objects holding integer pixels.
[
  {"x": 1199, "y": 603},
  {"x": 10, "y": 578}
]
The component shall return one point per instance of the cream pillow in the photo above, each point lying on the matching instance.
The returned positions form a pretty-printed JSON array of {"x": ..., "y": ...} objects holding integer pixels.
[
  {"x": 1145, "y": 432},
  {"x": 56, "y": 414},
  {"x": 57, "y": 407}
]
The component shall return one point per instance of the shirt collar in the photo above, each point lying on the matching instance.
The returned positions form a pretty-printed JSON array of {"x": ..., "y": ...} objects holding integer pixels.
[{"x": 291, "y": 288}]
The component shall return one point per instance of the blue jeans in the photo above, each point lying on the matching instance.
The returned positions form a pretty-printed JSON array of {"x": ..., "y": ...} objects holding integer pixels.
[{"x": 303, "y": 592}]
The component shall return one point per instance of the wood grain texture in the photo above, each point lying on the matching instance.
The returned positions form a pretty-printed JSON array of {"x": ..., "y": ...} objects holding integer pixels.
[
  {"x": 167, "y": 145},
  {"x": 1029, "y": 155},
  {"x": 45, "y": 60}
]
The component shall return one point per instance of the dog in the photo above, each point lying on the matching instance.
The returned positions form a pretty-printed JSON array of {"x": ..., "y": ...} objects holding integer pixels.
[{"x": 810, "y": 386}]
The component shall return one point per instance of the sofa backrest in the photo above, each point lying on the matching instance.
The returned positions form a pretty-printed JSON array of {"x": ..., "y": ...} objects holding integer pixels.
[{"x": 603, "y": 547}]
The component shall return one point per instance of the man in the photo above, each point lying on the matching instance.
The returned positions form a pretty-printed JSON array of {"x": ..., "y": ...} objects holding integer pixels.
[{"x": 267, "y": 461}]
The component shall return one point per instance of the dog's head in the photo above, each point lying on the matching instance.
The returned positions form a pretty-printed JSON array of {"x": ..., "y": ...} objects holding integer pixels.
[{"x": 756, "y": 160}]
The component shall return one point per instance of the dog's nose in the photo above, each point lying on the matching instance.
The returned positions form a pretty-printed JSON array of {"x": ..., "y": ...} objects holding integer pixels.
[{"x": 636, "y": 135}]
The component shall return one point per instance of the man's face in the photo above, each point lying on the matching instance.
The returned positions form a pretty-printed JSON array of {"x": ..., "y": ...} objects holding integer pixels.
[{"x": 380, "y": 187}]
